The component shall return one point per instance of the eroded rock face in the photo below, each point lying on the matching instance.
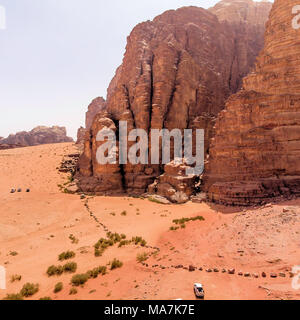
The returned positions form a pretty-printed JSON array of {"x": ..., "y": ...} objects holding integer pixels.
[
  {"x": 37, "y": 136},
  {"x": 256, "y": 151},
  {"x": 174, "y": 184},
  {"x": 177, "y": 72},
  {"x": 96, "y": 106},
  {"x": 81, "y": 132}
]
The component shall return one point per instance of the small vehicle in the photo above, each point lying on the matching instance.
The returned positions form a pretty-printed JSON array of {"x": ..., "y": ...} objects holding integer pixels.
[{"x": 199, "y": 291}]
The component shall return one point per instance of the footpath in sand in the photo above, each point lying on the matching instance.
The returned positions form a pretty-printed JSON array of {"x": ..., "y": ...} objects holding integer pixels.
[{"x": 35, "y": 228}]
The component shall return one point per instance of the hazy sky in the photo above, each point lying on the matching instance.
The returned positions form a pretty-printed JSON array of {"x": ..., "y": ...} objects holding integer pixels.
[{"x": 57, "y": 55}]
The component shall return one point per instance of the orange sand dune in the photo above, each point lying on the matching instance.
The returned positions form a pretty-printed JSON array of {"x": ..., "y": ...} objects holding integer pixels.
[{"x": 37, "y": 226}]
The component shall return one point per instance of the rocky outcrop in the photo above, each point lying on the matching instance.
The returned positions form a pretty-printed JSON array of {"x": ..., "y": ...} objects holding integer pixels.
[
  {"x": 37, "y": 136},
  {"x": 81, "y": 132},
  {"x": 255, "y": 155},
  {"x": 174, "y": 184},
  {"x": 96, "y": 106},
  {"x": 177, "y": 72}
]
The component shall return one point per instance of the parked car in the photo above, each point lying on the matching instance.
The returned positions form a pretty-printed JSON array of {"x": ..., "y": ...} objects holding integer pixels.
[{"x": 199, "y": 291}]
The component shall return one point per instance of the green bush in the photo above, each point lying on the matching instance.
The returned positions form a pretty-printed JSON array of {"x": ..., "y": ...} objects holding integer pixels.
[
  {"x": 96, "y": 271},
  {"x": 70, "y": 267},
  {"x": 15, "y": 277},
  {"x": 55, "y": 270},
  {"x": 29, "y": 289},
  {"x": 116, "y": 264},
  {"x": 141, "y": 257},
  {"x": 73, "y": 239},
  {"x": 79, "y": 279},
  {"x": 14, "y": 296},
  {"x": 58, "y": 287},
  {"x": 73, "y": 291},
  {"x": 66, "y": 255}
]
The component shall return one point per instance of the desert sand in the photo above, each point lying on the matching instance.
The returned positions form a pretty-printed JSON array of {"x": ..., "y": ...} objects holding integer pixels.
[{"x": 35, "y": 228}]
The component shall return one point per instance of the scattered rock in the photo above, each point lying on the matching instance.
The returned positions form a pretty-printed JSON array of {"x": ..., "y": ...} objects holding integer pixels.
[
  {"x": 282, "y": 275},
  {"x": 273, "y": 275},
  {"x": 13, "y": 191},
  {"x": 192, "y": 268},
  {"x": 231, "y": 271}
]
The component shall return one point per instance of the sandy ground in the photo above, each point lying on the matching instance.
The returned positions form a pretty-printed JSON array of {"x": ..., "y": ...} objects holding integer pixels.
[{"x": 37, "y": 226}]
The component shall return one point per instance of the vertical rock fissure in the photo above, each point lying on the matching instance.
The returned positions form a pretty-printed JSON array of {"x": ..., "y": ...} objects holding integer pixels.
[{"x": 173, "y": 90}]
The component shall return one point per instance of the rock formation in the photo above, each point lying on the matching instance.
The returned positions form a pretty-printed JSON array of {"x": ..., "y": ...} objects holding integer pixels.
[
  {"x": 96, "y": 106},
  {"x": 174, "y": 184},
  {"x": 39, "y": 135},
  {"x": 81, "y": 132},
  {"x": 255, "y": 154},
  {"x": 177, "y": 72}
]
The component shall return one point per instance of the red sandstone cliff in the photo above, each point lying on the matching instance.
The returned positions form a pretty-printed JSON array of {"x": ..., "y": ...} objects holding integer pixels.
[
  {"x": 96, "y": 106},
  {"x": 255, "y": 154},
  {"x": 177, "y": 72}
]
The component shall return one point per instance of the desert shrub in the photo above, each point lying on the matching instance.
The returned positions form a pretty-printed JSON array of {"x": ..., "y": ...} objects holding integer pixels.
[
  {"x": 13, "y": 253},
  {"x": 141, "y": 257},
  {"x": 155, "y": 200},
  {"x": 182, "y": 222},
  {"x": 58, "y": 287},
  {"x": 98, "y": 252},
  {"x": 29, "y": 289},
  {"x": 55, "y": 270},
  {"x": 45, "y": 298},
  {"x": 93, "y": 273},
  {"x": 139, "y": 241},
  {"x": 185, "y": 220},
  {"x": 116, "y": 264},
  {"x": 102, "y": 270},
  {"x": 73, "y": 239},
  {"x": 66, "y": 255},
  {"x": 79, "y": 279},
  {"x": 73, "y": 291},
  {"x": 96, "y": 271},
  {"x": 70, "y": 267},
  {"x": 14, "y": 296},
  {"x": 15, "y": 277},
  {"x": 124, "y": 213},
  {"x": 124, "y": 243}
]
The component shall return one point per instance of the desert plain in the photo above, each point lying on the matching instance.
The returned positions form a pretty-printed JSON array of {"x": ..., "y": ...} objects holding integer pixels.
[{"x": 36, "y": 226}]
